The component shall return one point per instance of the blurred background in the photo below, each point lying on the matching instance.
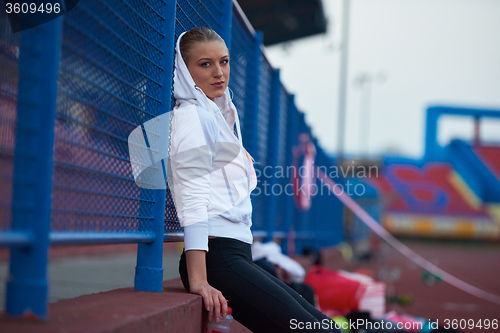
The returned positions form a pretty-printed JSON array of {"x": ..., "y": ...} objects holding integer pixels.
[{"x": 403, "y": 56}]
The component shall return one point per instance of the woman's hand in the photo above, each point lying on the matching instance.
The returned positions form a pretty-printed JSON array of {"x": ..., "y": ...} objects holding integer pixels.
[
  {"x": 197, "y": 274},
  {"x": 212, "y": 298}
]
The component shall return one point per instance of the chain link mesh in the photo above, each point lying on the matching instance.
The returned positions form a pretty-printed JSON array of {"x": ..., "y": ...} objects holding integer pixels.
[
  {"x": 197, "y": 13},
  {"x": 109, "y": 83},
  {"x": 260, "y": 208},
  {"x": 264, "y": 106},
  {"x": 244, "y": 73}
]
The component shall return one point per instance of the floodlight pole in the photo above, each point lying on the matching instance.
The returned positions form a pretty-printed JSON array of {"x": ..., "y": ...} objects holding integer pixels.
[
  {"x": 344, "y": 53},
  {"x": 365, "y": 81}
]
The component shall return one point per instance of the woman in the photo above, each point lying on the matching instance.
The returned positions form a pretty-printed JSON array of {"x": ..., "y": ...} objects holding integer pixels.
[{"x": 211, "y": 176}]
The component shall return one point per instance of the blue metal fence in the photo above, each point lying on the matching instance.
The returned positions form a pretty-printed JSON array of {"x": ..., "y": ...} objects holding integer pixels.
[
  {"x": 71, "y": 92},
  {"x": 9, "y": 77}
]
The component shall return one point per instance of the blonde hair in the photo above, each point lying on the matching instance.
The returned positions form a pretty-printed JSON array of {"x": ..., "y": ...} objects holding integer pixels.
[{"x": 195, "y": 36}]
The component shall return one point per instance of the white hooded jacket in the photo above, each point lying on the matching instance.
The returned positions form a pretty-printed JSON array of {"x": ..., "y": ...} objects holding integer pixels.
[{"x": 209, "y": 172}]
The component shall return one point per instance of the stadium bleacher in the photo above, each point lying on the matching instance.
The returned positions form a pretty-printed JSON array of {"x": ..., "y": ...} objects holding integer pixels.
[
  {"x": 432, "y": 201},
  {"x": 491, "y": 157}
]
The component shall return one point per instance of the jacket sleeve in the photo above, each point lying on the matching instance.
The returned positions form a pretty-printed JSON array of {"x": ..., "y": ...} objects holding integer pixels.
[{"x": 191, "y": 162}]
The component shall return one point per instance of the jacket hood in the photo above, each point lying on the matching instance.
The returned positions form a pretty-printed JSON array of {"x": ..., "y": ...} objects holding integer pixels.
[{"x": 185, "y": 90}]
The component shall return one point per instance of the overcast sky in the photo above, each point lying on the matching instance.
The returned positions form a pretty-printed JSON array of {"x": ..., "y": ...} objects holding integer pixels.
[{"x": 419, "y": 53}]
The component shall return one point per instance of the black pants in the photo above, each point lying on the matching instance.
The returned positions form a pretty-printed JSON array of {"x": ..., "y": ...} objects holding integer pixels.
[{"x": 259, "y": 301}]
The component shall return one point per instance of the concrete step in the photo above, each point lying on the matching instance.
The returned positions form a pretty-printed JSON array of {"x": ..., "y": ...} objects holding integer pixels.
[{"x": 122, "y": 311}]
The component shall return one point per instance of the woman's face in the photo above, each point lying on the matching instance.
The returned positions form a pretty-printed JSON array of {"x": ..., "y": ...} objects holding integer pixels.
[{"x": 209, "y": 67}]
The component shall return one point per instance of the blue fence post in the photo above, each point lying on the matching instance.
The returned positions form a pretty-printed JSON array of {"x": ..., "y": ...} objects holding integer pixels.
[
  {"x": 33, "y": 157},
  {"x": 290, "y": 143},
  {"x": 149, "y": 271},
  {"x": 315, "y": 221},
  {"x": 273, "y": 148},
  {"x": 227, "y": 19},
  {"x": 301, "y": 215},
  {"x": 431, "y": 132},
  {"x": 253, "y": 88}
]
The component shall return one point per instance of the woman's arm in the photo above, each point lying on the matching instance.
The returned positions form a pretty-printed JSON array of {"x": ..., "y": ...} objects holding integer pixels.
[
  {"x": 198, "y": 284},
  {"x": 194, "y": 131}
]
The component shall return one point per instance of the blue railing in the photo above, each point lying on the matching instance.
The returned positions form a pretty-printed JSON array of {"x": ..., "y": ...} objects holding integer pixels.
[{"x": 71, "y": 92}]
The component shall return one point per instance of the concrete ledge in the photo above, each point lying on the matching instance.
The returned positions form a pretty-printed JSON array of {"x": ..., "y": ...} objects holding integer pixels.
[{"x": 122, "y": 310}]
